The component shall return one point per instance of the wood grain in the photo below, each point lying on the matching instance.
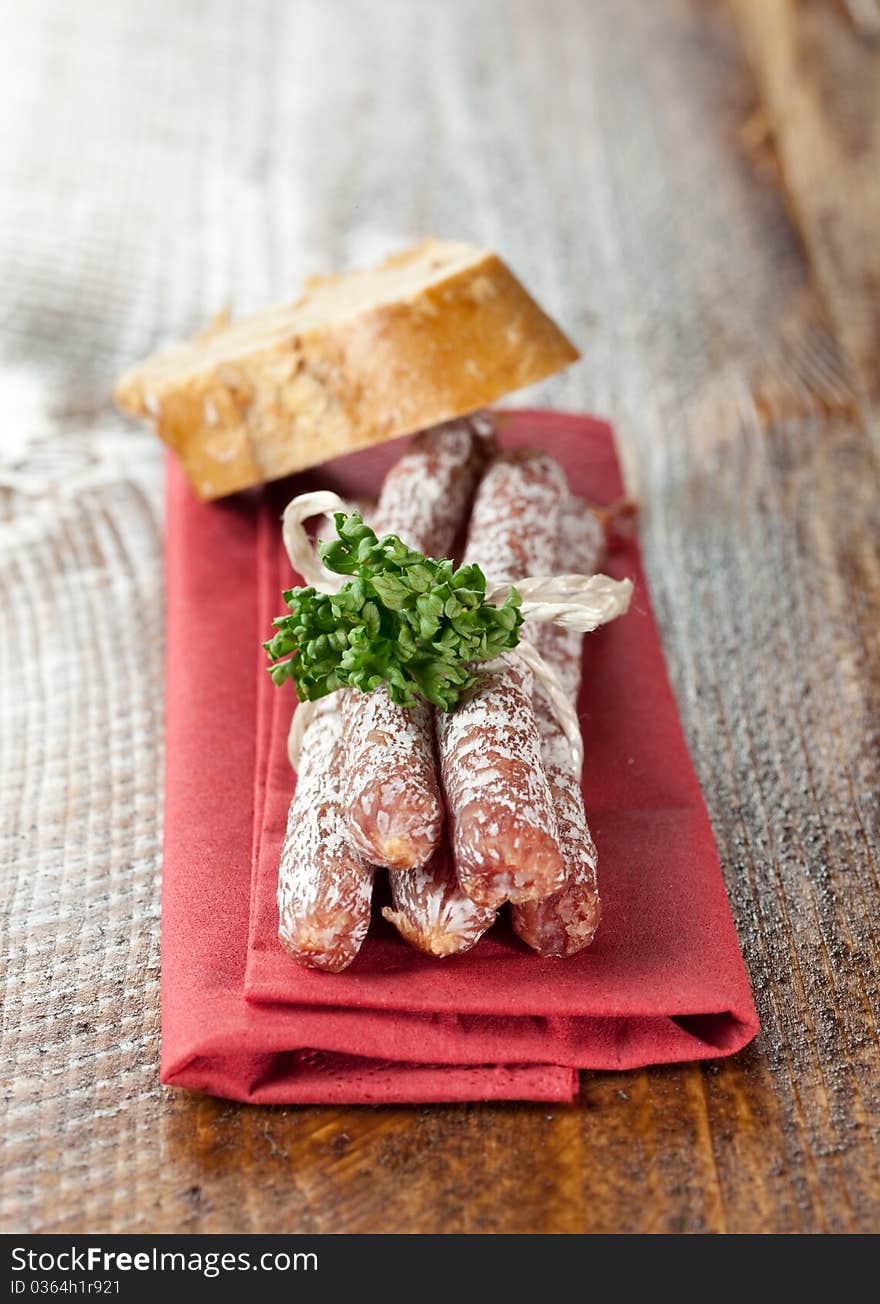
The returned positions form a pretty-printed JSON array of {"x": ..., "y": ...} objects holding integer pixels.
[
  {"x": 703, "y": 230},
  {"x": 818, "y": 69}
]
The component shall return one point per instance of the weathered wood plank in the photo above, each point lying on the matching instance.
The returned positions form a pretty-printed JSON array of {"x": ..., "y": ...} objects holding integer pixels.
[{"x": 818, "y": 69}]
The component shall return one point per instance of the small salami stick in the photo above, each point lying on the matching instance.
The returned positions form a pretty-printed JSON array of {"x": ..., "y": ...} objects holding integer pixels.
[
  {"x": 394, "y": 812},
  {"x": 324, "y": 886},
  {"x": 432, "y": 912},
  {"x": 504, "y": 831},
  {"x": 566, "y": 921}
]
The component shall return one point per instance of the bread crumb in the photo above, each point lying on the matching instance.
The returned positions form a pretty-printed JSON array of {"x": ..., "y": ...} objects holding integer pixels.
[
  {"x": 223, "y": 453},
  {"x": 482, "y": 289}
]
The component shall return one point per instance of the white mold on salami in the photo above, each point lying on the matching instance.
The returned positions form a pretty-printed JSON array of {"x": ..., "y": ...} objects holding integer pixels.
[
  {"x": 432, "y": 912},
  {"x": 504, "y": 826},
  {"x": 566, "y": 921},
  {"x": 324, "y": 886},
  {"x": 394, "y": 808},
  {"x": 425, "y": 496},
  {"x": 503, "y": 821},
  {"x": 393, "y": 811}
]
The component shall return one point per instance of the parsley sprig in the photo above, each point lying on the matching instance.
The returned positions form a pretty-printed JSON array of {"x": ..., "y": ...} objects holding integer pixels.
[{"x": 403, "y": 619}]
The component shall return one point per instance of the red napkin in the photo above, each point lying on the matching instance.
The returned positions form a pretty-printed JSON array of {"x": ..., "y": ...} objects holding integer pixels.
[{"x": 664, "y": 980}]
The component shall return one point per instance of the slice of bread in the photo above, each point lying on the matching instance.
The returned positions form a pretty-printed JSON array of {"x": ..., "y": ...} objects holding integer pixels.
[{"x": 435, "y": 332}]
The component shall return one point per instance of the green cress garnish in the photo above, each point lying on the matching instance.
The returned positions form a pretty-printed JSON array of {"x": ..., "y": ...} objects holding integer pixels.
[{"x": 402, "y": 619}]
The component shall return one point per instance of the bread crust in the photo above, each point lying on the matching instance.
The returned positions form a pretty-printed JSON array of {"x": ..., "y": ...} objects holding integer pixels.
[{"x": 252, "y": 401}]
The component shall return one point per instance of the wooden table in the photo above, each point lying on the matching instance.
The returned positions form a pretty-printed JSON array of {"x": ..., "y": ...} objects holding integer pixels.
[{"x": 694, "y": 189}]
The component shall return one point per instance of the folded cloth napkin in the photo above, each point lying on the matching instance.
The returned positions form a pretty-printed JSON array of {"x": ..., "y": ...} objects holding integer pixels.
[{"x": 664, "y": 980}]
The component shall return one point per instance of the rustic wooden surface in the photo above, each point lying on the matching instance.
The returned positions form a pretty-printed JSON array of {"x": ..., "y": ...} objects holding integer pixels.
[{"x": 693, "y": 187}]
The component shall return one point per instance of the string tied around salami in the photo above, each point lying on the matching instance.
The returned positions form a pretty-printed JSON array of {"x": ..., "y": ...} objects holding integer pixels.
[{"x": 373, "y": 611}]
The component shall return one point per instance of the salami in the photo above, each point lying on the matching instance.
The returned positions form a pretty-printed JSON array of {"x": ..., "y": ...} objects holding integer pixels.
[
  {"x": 394, "y": 811},
  {"x": 504, "y": 828},
  {"x": 566, "y": 921},
  {"x": 324, "y": 883},
  {"x": 324, "y": 886},
  {"x": 432, "y": 912}
]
